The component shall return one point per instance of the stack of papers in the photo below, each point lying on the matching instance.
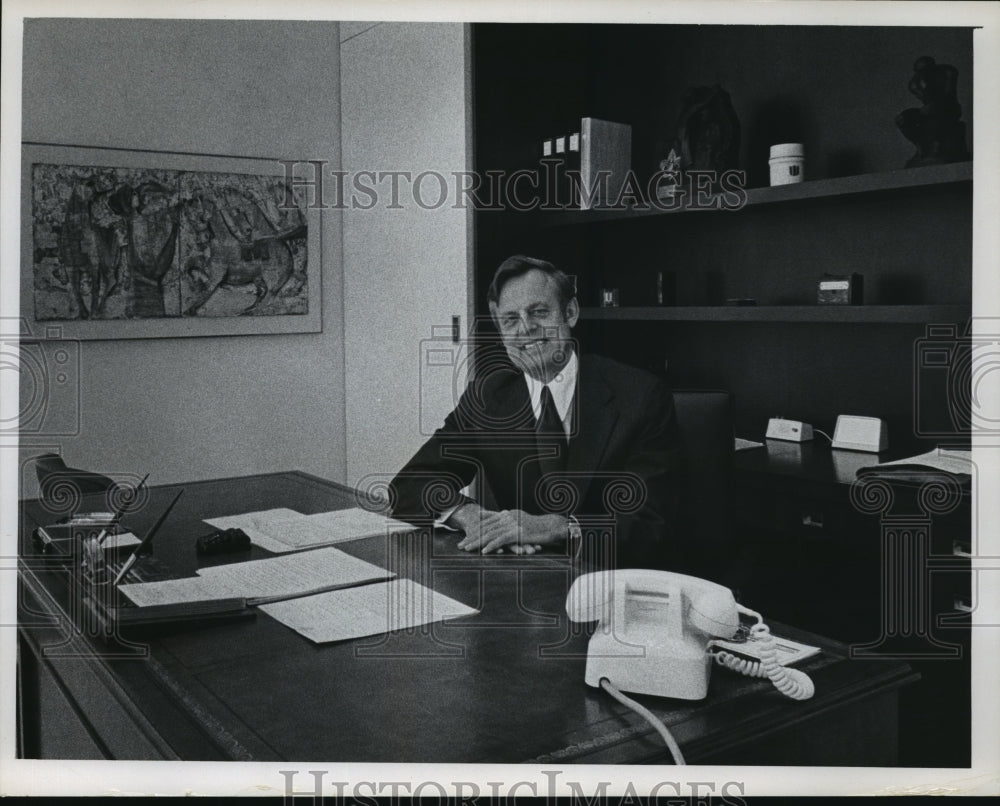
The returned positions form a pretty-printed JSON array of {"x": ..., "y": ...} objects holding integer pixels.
[
  {"x": 283, "y": 530},
  {"x": 261, "y": 580},
  {"x": 325, "y": 594}
]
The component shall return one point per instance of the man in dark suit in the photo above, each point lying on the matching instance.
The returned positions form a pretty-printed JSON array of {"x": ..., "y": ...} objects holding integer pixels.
[{"x": 568, "y": 445}]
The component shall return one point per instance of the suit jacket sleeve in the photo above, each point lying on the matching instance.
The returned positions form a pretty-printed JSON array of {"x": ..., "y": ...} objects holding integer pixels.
[{"x": 430, "y": 482}]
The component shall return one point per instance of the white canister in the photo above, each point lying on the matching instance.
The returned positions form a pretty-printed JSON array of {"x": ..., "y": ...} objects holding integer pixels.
[{"x": 787, "y": 163}]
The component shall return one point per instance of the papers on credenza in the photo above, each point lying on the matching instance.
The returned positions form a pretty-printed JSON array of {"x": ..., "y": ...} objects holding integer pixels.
[
  {"x": 368, "y": 610},
  {"x": 954, "y": 462},
  {"x": 282, "y": 530},
  {"x": 296, "y": 574}
]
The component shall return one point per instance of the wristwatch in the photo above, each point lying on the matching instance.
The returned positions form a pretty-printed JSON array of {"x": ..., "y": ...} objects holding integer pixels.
[{"x": 573, "y": 530}]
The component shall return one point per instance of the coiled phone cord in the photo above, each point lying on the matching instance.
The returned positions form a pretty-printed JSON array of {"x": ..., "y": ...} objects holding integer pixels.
[
  {"x": 648, "y": 715},
  {"x": 792, "y": 683}
]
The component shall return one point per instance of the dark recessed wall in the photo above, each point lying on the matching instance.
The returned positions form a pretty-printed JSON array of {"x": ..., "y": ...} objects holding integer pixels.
[{"x": 838, "y": 90}]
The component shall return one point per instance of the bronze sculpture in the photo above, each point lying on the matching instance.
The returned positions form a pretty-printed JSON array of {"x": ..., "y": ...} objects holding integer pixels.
[{"x": 934, "y": 128}]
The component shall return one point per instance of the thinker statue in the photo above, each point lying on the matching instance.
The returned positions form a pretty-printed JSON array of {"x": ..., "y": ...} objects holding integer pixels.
[{"x": 934, "y": 128}]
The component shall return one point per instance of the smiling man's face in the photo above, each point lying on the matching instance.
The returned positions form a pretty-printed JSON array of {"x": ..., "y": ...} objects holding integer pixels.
[{"x": 533, "y": 325}]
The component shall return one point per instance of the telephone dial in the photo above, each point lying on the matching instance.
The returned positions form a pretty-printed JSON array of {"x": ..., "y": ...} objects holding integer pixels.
[{"x": 658, "y": 633}]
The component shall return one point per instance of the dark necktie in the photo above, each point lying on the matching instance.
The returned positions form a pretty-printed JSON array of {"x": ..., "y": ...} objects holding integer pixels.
[
  {"x": 549, "y": 423},
  {"x": 551, "y": 445}
]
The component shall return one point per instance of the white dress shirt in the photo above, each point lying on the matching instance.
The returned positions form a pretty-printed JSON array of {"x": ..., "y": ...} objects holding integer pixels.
[{"x": 562, "y": 387}]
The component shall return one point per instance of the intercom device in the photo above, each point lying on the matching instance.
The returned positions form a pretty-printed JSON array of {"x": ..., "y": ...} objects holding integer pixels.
[
  {"x": 657, "y": 630},
  {"x": 789, "y": 430},
  {"x": 854, "y": 433}
]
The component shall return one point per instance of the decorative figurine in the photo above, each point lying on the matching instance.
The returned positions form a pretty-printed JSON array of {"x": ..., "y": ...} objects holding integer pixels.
[
  {"x": 670, "y": 182},
  {"x": 934, "y": 128}
]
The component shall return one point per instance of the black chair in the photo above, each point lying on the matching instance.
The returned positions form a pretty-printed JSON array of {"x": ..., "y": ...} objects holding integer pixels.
[
  {"x": 705, "y": 540},
  {"x": 58, "y": 483}
]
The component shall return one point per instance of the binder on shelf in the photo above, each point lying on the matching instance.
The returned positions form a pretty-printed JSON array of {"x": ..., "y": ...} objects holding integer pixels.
[{"x": 605, "y": 159}]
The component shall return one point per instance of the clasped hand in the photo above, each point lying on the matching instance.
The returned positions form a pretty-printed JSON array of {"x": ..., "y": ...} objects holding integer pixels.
[{"x": 521, "y": 533}]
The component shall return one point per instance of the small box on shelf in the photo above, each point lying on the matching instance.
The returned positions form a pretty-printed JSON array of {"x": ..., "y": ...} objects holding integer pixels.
[{"x": 841, "y": 289}]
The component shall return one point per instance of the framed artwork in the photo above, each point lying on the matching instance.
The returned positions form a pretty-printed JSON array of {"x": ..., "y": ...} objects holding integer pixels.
[{"x": 134, "y": 244}]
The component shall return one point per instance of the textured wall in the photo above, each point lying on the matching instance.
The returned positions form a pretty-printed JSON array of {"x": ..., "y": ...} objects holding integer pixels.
[{"x": 200, "y": 407}]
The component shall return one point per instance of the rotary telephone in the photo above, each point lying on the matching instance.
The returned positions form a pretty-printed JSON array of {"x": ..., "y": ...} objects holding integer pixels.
[{"x": 659, "y": 631}]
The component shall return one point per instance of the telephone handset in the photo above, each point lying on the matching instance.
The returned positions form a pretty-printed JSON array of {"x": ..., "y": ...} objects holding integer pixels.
[{"x": 656, "y": 630}]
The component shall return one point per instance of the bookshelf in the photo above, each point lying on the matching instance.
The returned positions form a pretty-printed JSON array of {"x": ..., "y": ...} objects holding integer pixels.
[{"x": 906, "y": 230}]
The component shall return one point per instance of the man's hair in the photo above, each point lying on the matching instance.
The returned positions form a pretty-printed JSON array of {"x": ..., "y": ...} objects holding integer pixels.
[{"x": 521, "y": 264}]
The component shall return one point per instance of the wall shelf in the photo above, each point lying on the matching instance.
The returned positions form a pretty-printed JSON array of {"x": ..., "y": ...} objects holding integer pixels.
[
  {"x": 862, "y": 184},
  {"x": 875, "y": 314}
]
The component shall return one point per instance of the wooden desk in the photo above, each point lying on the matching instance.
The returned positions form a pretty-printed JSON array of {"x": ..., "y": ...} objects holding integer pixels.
[{"x": 505, "y": 685}]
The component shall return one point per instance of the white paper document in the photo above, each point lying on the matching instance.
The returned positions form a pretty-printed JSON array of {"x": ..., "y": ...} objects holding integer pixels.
[
  {"x": 275, "y": 577},
  {"x": 786, "y": 651},
  {"x": 294, "y": 574},
  {"x": 283, "y": 530},
  {"x": 174, "y": 591},
  {"x": 367, "y": 610},
  {"x": 327, "y": 528}
]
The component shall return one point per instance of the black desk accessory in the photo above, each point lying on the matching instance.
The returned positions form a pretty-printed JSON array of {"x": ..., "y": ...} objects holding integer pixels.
[
  {"x": 40, "y": 537},
  {"x": 176, "y": 614},
  {"x": 223, "y": 541}
]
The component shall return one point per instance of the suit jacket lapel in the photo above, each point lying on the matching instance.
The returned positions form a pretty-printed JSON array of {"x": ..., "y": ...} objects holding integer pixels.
[
  {"x": 512, "y": 412},
  {"x": 595, "y": 419},
  {"x": 513, "y": 442}
]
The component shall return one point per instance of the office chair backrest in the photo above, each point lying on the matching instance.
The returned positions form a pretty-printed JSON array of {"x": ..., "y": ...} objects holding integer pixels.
[{"x": 705, "y": 426}]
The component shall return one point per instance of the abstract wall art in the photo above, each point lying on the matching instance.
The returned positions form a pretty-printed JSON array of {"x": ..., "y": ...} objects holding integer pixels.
[{"x": 119, "y": 244}]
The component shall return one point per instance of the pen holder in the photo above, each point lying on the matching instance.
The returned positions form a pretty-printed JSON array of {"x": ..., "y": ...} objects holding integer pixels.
[{"x": 92, "y": 562}]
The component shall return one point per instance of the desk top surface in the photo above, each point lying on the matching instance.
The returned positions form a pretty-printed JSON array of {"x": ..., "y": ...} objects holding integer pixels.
[{"x": 505, "y": 685}]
